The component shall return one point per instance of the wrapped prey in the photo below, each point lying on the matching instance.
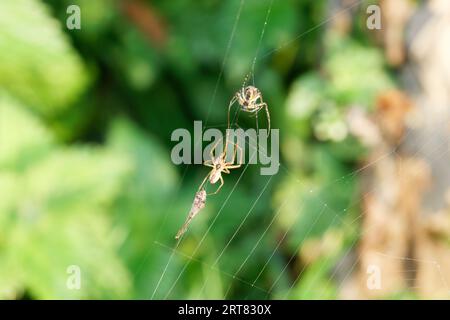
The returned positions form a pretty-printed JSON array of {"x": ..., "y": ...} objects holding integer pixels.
[{"x": 197, "y": 205}]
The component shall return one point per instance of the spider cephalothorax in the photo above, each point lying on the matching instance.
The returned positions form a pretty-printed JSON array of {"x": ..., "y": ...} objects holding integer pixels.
[{"x": 250, "y": 100}]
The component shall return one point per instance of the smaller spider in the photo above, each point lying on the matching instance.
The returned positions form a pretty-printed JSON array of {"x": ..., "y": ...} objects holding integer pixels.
[
  {"x": 219, "y": 166},
  {"x": 250, "y": 100}
]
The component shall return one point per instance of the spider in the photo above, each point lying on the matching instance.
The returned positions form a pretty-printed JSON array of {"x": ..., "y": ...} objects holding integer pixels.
[
  {"x": 250, "y": 100},
  {"x": 219, "y": 166}
]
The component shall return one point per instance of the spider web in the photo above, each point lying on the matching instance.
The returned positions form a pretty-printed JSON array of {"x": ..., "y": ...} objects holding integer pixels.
[
  {"x": 228, "y": 48},
  {"x": 237, "y": 18},
  {"x": 235, "y": 275},
  {"x": 253, "y": 283}
]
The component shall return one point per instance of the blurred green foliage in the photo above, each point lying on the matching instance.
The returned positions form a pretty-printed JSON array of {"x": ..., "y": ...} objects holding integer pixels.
[{"x": 85, "y": 172}]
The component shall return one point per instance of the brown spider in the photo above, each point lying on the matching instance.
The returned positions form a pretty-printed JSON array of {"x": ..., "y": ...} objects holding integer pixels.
[
  {"x": 219, "y": 166},
  {"x": 250, "y": 100}
]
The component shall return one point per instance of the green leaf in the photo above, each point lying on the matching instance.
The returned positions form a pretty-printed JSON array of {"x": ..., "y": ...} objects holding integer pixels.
[
  {"x": 357, "y": 73},
  {"x": 22, "y": 136},
  {"x": 37, "y": 62}
]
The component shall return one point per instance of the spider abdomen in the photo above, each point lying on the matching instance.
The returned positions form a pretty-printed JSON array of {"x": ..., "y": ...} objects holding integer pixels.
[{"x": 214, "y": 177}]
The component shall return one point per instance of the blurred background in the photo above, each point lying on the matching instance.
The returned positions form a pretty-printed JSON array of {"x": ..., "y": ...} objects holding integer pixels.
[{"x": 359, "y": 208}]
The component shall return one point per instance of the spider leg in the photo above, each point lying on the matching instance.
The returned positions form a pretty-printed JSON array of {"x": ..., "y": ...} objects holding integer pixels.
[
  {"x": 257, "y": 123},
  {"x": 233, "y": 100},
  {"x": 212, "y": 150},
  {"x": 230, "y": 164},
  {"x": 234, "y": 155},
  {"x": 254, "y": 110},
  {"x": 237, "y": 115},
  {"x": 234, "y": 166},
  {"x": 204, "y": 181},
  {"x": 268, "y": 117},
  {"x": 218, "y": 189},
  {"x": 260, "y": 106}
]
